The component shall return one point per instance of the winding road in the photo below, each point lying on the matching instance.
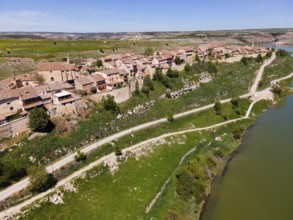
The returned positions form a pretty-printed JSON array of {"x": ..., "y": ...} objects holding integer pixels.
[{"x": 21, "y": 185}]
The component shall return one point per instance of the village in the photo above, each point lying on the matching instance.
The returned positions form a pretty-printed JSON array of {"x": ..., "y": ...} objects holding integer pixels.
[{"x": 63, "y": 88}]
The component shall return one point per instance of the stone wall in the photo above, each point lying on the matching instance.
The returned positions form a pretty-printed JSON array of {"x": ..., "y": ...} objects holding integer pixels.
[
  {"x": 120, "y": 95},
  {"x": 13, "y": 128}
]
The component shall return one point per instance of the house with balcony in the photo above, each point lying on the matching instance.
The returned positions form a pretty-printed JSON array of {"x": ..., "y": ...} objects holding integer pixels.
[{"x": 112, "y": 77}]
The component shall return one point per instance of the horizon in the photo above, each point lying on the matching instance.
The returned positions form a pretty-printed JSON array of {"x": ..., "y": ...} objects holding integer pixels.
[{"x": 121, "y": 17}]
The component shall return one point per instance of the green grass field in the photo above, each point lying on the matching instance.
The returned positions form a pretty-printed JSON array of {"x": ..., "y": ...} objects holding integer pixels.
[
  {"x": 282, "y": 66},
  {"x": 127, "y": 193}
]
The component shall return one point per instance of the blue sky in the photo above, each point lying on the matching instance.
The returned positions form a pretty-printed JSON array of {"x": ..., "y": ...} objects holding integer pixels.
[{"x": 143, "y": 15}]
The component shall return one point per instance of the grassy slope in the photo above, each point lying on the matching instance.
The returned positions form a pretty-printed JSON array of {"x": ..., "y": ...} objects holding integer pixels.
[
  {"x": 282, "y": 66},
  {"x": 126, "y": 194},
  {"x": 231, "y": 81}
]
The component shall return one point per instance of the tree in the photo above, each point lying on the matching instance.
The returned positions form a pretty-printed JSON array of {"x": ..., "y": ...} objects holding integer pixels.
[
  {"x": 148, "y": 51},
  {"x": 40, "y": 79},
  {"x": 80, "y": 156},
  {"x": 99, "y": 63},
  {"x": 282, "y": 53},
  {"x": 238, "y": 132},
  {"x": 41, "y": 180},
  {"x": 259, "y": 58},
  {"x": 187, "y": 68},
  {"x": 197, "y": 59},
  {"x": 94, "y": 90},
  {"x": 172, "y": 73},
  {"x": 136, "y": 91},
  {"x": 109, "y": 104},
  {"x": 178, "y": 61},
  {"x": 38, "y": 119},
  {"x": 269, "y": 54},
  {"x": 235, "y": 102},
  {"x": 147, "y": 85},
  {"x": 244, "y": 60},
  {"x": 218, "y": 108},
  {"x": 277, "y": 90},
  {"x": 212, "y": 68},
  {"x": 118, "y": 151}
]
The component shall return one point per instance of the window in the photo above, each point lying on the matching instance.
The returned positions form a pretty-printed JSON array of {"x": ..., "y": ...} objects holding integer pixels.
[
  {"x": 52, "y": 79},
  {"x": 11, "y": 108},
  {"x": 8, "y": 103}
]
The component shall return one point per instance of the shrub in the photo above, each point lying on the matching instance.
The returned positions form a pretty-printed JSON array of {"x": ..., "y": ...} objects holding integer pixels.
[
  {"x": 244, "y": 60},
  {"x": 218, "y": 108},
  {"x": 109, "y": 104},
  {"x": 40, "y": 180},
  {"x": 178, "y": 61},
  {"x": 282, "y": 53},
  {"x": 277, "y": 90},
  {"x": 99, "y": 63},
  {"x": 94, "y": 90},
  {"x": 172, "y": 73},
  {"x": 118, "y": 151},
  {"x": 187, "y": 68},
  {"x": 259, "y": 58},
  {"x": 238, "y": 132},
  {"x": 38, "y": 119},
  {"x": 80, "y": 156}
]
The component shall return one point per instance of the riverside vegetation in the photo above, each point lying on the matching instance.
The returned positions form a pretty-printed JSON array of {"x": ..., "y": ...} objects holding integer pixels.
[
  {"x": 223, "y": 116},
  {"x": 101, "y": 123}
]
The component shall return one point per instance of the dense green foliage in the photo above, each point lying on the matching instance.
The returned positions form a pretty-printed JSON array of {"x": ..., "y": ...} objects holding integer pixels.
[
  {"x": 109, "y": 104},
  {"x": 38, "y": 119},
  {"x": 148, "y": 51},
  {"x": 40, "y": 180}
]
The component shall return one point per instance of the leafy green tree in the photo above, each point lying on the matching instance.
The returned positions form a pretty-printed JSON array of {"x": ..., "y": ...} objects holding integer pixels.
[
  {"x": 99, "y": 63},
  {"x": 136, "y": 91},
  {"x": 187, "y": 68},
  {"x": 235, "y": 102},
  {"x": 172, "y": 73},
  {"x": 38, "y": 119},
  {"x": 282, "y": 53},
  {"x": 118, "y": 151},
  {"x": 109, "y": 104},
  {"x": 197, "y": 59},
  {"x": 80, "y": 156},
  {"x": 40, "y": 79},
  {"x": 259, "y": 58},
  {"x": 41, "y": 180},
  {"x": 94, "y": 90},
  {"x": 218, "y": 108},
  {"x": 148, "y": 51},
  {"x": 178, "y": 61},
  {"x": 147, "y": 85},
  {"x": 238, "y": 132},
  {"x": 269, "y": 54},
  {"x": 244, "y": 60}
]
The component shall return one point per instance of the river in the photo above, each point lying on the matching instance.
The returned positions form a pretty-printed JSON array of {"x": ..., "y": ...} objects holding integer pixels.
[{"x": 258, "y": 182}]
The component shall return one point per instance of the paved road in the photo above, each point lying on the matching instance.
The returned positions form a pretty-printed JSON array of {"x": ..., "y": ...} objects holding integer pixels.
[
  {"x": 260, "y": 72},
  {"x": 57, "y": 165}
]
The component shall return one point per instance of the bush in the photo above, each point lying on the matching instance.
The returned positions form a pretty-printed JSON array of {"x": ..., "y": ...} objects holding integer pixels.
[
  {"x": 238, "y": 132},
  {"x": 235, "y": 102},
  {"x": 282, "y": 53},
  {"x": 218, "y": 108},
  {"x": 147, "y": 85},
  {"x": 178, "y": 61},
  {"x": 136, "y": 91},
  {"x": 80, "y": 156},
  {"x": 94, "y": 90},
  {"x": 99, "y": 63},
  {"x": 244, "y": 60},
  {"x": 187, "y": 68},
  {"x": 109, "y": 104},
  {"x": 277, "y": 90},
  {"x": 118, "y": 151},
  {"x": 40, "y": 180},
  {"x": 160, "y": 77},
  {"x": 172, "y": 73},
  {"x": 259, "y": 58},
  {"x": 269, "y": 54},
  {"x": 38, "y": 119}
]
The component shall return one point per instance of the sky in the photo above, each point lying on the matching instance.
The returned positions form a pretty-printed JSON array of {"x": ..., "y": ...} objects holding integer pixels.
[{"x": 143, "y": 15}]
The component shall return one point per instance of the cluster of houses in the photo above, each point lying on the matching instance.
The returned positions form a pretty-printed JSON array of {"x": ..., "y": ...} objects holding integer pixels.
[{"x": 57, "y": 86}]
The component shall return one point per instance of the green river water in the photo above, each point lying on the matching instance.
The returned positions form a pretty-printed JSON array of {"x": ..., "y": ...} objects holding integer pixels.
[{"x": 258, "y": 182}]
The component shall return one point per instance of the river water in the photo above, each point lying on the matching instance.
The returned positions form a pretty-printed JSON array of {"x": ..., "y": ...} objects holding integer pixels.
[{"x": 258, "y": 182}]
